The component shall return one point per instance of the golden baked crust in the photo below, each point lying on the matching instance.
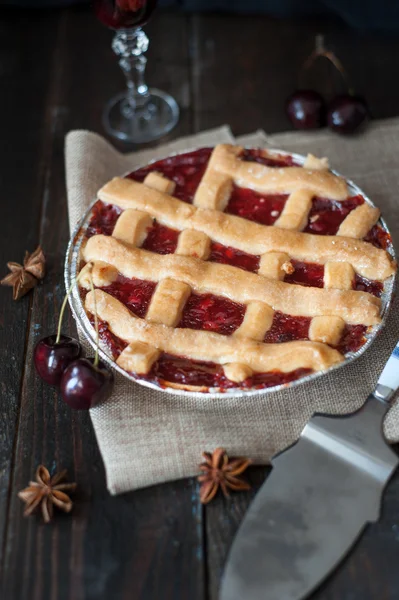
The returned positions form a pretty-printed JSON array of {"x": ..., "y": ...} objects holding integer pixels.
[
  {"x": 248, "y": 236},
  {"x": 205, "y": 345},
  {"x": 233, "y": 283},
  {"x": 330, "y": 309},
  {"x": 225, "y": 160}
]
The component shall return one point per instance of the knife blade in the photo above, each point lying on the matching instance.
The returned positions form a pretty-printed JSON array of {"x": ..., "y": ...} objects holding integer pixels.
[{"x": 319, "y": 497}]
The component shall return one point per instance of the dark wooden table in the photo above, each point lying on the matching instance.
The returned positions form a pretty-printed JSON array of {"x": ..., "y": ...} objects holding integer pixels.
[{"x": 56, "y": 72}]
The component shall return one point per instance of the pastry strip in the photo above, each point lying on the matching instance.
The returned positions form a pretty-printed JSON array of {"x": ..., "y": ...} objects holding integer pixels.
[
  {"x": 359, "y": 221},
  {"x": 340, "y": 276},
  {"x": 158, "y": 182},
  {"x": 103, "y": 274},
  {"x": 257, "y": 321},
  {"x": 275, "y": 265},
  {"x": 327, "y": 330},
  {"x": 168, "y": 301},
  {"x": 132, "y": 226},
  {"x": 249, "y": 174},
  {"x": 234, "y": 283},
  {"x": 193, "y": 243},
  {"x": 214, "y": 190},
  {"x": 215, "y": 187},
  {"x": 205, "y": 345},
  {"x": 296, "y": 210},
  {"x": 313, "y": 162},
  {"x": 248, "y": 236},
  {"x": 138, "y": 357},
  {"x": 237, "y": 372}
]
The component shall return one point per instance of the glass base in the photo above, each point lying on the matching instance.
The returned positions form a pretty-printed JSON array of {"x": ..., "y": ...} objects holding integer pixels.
[{"x": 145, "y": 125}]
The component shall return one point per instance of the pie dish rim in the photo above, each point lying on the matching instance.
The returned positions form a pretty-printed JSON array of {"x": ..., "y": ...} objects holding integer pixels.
[{"x": 79, "y": 313}]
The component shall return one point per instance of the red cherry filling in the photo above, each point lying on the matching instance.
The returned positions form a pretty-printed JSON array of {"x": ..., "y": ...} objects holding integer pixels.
[
  {"x": 378, "y": 237},
  {"x": 161, "y": 239},
  {"x": 231, "y": 256},
  {"x": 308, "y": 274},
  {"x": 326, "y": 216},
  {"x": 103, "y": 219},
  {"x": 52, "y": 358},
  {"x": 212, "y": 313},
  {"x": 186, "y": 170},
  {"x": 265, "y": 380},
  {"x": 312, "y": 274},
  {"x": 136, "y": 294},
  {"x": 114, "y": 344},
  {"x": 178, "y": 369},
  {"x": 352, "y": 338},
  {"x": 261, "y": 208},
  {"x": 367, "y": 285},
  {"x": 286, "y": 328}
]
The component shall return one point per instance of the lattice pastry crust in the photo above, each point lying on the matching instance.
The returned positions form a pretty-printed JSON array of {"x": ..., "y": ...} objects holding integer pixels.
[
  {"x": 228, "y": 281},
  {"x": 264, "y": 293},
  {"x": 247, "y": 236},
  {"x": 204, "y": 345}
]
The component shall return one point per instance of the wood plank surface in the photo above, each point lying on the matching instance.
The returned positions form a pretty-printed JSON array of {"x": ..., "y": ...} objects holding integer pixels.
[
  {"x": 146, "y": 544},
  {"x": 245, "y": 68},
  {"x": 57, "y": 71},
  {"x": 24, "y": 91}
]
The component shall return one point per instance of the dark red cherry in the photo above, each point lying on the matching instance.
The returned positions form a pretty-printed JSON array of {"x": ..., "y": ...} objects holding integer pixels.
[
  {"x": 306, "y": 109},
  {"x": 51, "y": 358},
  {"x": 84, "y": 385},
  {"x": 347, "y": 113}
]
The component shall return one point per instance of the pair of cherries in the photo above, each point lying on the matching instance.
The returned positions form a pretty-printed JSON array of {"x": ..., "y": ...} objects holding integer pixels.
[
  {"x": 306, "y": 108},
  {"x": 346, "y": 113},
  {"x": 83, "y": 382}
]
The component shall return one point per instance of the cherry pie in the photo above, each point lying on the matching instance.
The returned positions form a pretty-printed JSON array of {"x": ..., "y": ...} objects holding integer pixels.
[{"x": 233, "y": 268}]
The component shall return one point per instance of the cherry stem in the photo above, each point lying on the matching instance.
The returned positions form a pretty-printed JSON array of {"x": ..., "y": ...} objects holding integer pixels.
[
  {"x": 95, "y": 364},
  {"x": 320, "y": 51},
  {"x": 64, "y": 303}
]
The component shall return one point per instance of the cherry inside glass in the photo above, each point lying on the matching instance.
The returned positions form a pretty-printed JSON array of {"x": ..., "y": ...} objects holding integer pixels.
[{"x": 123, "y": 14}]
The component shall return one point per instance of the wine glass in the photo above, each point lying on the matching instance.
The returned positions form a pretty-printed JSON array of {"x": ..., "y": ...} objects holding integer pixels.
[{"x": 140, "y": 114}]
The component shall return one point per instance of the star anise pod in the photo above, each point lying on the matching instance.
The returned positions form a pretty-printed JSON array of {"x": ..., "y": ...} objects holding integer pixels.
[
  {"x": 24, "y": 277},
  {"x": 20, "y": 280},
  {"x": 221, "y": 471},
  {"x": 35, "y": 263},
  {"x": 47, "y": 491}
]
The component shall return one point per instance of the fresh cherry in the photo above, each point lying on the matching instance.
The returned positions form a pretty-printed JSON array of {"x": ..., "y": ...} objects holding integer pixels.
[
  {"x": 347, "y": 113},
  {"x": 52, "y": 357},
  {"x": 85, "y": 383},
  {"x": 306, "y": 109}
]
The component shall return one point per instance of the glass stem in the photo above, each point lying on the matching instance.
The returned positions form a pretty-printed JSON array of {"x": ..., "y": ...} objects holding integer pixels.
[{"x": 129, "y": 45}]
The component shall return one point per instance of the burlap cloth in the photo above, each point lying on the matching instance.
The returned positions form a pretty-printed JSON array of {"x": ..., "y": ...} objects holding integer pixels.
[{"x": 148, "y": 437}]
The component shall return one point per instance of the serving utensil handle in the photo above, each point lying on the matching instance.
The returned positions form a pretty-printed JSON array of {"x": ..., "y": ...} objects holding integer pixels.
[{"x": 388, "y": 382}]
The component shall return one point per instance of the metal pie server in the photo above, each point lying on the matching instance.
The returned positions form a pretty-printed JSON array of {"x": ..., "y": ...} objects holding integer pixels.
[{"x": 316, "y": 502}]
